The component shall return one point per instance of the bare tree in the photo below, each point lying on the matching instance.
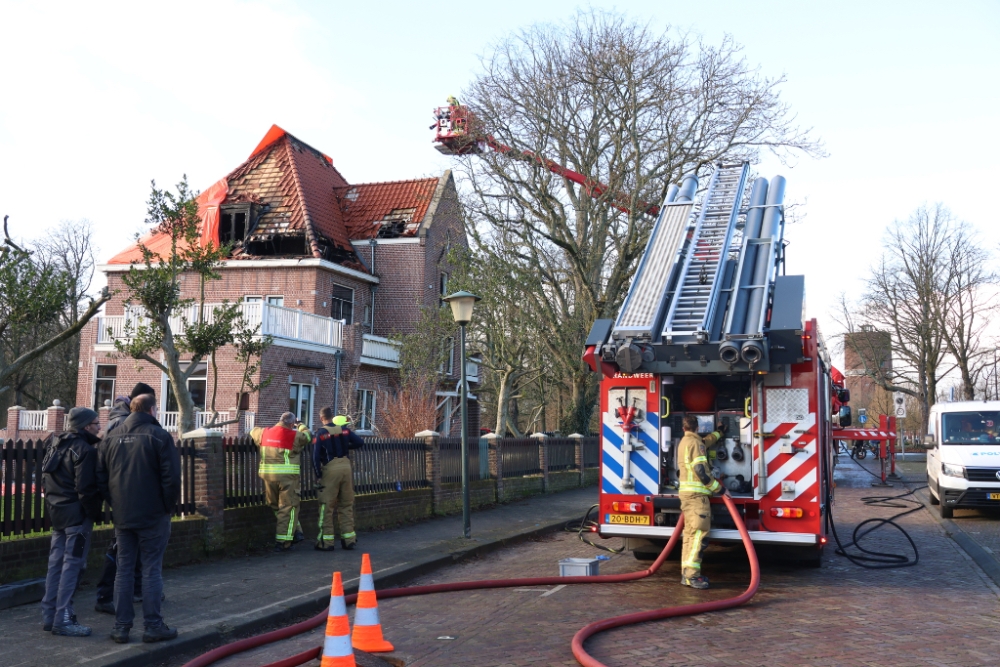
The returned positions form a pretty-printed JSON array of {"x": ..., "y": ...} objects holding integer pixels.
[
  {"x": 629, "y": 108},
  {"x": 905, "y": 296},
  {"x": 969, "y": 301},
  {"x": 40, "y": 304}
]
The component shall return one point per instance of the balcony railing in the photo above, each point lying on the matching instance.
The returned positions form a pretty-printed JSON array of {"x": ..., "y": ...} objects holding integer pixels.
[
  {"x": 378, "y": 351},
  {"x": 33, "y": 420},
  {"x": 276, "y": 321},
  {"x": 169, "y": 420}
]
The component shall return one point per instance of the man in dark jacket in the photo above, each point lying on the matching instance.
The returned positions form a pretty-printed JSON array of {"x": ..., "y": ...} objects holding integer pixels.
[
  {"x": 331, "y": 445},
  {"x": 73, "y": 503},
  {"x": 120, "y": 410},
  {"x": 138, "y": 470}
]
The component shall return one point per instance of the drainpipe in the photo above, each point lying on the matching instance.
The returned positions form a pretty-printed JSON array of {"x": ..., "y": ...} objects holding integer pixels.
[
  {"x": 373, "y": 243},
  {"x": 336, "y": 381}
]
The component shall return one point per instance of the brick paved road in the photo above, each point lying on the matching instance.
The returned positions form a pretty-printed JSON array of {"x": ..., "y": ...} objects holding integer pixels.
[{"x": 942, "y": 612}]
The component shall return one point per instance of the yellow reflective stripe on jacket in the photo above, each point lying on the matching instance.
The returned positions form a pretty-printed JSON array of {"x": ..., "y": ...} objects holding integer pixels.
[
  {"x": 690, "y": 482},
  {"x": 286, "y": 468}
]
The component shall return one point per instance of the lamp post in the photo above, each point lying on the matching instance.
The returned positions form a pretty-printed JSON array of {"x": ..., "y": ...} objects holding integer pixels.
[{"x": 462, "y": 304}]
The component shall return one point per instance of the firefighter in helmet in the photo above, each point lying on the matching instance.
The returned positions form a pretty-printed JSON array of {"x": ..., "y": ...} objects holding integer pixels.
[
  {"x": 696, "y": 485},
  {"x": 280, "y": 448},
  {"x": 331, "y": 447}
]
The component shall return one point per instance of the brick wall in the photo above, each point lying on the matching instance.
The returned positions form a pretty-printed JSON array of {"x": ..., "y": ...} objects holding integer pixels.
[{"x": 27, "y": 558}]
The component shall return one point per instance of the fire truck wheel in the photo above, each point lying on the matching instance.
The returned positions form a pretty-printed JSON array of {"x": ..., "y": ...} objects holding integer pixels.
[
  {"x": 675, "y": 553},
  {"x": 947, "y": 512}
]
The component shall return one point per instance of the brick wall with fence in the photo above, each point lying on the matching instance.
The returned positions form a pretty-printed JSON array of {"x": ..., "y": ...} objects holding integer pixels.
[{"x": 221, "y": 506}]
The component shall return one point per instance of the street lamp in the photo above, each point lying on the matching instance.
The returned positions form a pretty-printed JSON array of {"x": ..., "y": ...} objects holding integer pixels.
[{"x": 462, "y": 304}]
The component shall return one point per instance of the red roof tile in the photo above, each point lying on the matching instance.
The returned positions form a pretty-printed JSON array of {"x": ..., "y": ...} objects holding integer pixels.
[{"x": 368, "y": 205}]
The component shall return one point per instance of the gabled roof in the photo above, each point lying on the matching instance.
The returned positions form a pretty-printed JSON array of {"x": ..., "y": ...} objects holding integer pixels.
[
  {"x": 370, "y": 206},
  {"x": 297, "y": 191}
]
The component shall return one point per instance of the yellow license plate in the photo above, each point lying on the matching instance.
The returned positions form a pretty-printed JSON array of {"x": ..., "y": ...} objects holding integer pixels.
[
  {"x": 629, "y": 519},
  {"x": 993, "y": 496}
]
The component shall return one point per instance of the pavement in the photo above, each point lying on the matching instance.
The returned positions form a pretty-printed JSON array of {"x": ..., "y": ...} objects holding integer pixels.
[
  {"x": 213, "y": 603},
  {"x": 944, "y": 611}
]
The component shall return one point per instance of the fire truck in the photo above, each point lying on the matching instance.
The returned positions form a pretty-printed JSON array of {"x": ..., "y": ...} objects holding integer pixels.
[{"x": 711, "y": 327}]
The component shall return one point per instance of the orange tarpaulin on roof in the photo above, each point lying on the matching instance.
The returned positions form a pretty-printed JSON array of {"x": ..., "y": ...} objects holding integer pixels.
[
  {"x": 273, "y": 135},
  {"x": 209, "y": 202}
]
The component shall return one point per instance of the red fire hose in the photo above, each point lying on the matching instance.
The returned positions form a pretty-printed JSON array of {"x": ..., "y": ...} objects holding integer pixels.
[{"x": 578, "y": 651}]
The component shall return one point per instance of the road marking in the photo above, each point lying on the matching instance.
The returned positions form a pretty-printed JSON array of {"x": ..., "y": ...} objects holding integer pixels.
[{"x": 554, "y": 590}]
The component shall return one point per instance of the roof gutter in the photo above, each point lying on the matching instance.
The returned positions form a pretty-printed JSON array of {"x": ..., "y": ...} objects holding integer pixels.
[{"x": 264, "y": 264}]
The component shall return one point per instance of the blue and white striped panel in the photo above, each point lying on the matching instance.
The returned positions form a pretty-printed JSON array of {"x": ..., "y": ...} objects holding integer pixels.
[{"x": 645, "y": 464}]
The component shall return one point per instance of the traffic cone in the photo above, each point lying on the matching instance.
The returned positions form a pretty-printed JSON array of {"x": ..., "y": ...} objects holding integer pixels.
[
  {"x": 337, "y": 651},
  {"x": 367, "y": 629}
]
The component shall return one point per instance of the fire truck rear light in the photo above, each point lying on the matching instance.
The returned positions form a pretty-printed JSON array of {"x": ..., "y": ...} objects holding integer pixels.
[
  {"x": 618, "y": 506},
  {"x": 787, "y": 512},
  {"x": 822, "y": 540}
]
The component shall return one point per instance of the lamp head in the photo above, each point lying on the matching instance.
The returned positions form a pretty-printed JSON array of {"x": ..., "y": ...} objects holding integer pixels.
[{"x": 462, "y": 304}]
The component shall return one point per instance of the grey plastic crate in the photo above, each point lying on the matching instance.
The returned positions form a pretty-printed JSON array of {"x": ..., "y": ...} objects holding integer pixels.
[{"x": 579, "y": 567}]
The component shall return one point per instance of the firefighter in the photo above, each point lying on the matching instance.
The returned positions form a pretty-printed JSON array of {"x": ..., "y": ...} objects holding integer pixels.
[
  {"x": 452, "y": 101},
  {"x": 696, "y": 485},
  {"x": 280, "y": 448},
  {"x": 331, "y": 446}
]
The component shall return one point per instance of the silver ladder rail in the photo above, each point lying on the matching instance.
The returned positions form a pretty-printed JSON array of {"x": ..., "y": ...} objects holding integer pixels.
[{"x": 694, "y": 301}]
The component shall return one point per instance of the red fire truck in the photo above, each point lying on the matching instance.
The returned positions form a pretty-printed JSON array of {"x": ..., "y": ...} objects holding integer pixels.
[{"x": 710, "y": 327}]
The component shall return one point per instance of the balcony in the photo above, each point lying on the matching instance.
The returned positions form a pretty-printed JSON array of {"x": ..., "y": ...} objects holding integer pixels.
[
  {"x": 378, "y": 351},
  {"x": 287, "y": 326}
]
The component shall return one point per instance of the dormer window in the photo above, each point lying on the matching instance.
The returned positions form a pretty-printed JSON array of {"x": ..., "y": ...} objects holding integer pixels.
[{"x": 234, "y": 223}]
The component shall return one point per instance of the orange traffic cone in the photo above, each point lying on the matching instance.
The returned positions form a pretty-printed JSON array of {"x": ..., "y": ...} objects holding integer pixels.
[
  {"x": 337, "y": 651},
  {"x": 367, "y": 629}
]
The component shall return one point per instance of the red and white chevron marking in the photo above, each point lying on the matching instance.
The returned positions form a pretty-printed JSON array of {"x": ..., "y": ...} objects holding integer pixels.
[{"x": 801, "y": 468}]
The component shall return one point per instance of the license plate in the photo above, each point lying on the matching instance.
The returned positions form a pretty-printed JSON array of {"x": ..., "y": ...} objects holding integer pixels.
[
  {"x": 629, "y": 519},
  {"x": 993, "y": 496}
]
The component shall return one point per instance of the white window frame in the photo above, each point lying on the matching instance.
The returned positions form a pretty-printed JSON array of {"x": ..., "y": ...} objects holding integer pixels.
[
  {"x": 275, "y": 300},
  {"x": 366, "y": 422},
  {"x": 334, "y": 298},
  {"x": 253, "y": 298},
  {"x": 98, "y": 378},
  {"x": 448, "y": 357},
  {"x": 167, "y": 393},
  {"x": 298, "y": 401}
]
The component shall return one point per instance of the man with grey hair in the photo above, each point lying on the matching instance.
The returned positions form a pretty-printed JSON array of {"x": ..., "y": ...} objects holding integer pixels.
[
  {"x": 73, "y": 503},
  {"x": 280, "y": 451}
]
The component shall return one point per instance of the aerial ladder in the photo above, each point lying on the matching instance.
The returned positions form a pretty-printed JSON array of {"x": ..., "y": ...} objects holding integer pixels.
[{"x": 710, "y": 328}]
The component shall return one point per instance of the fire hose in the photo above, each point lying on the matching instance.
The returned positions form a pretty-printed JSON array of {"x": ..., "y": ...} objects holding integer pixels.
[{"x": 581, "y": 636}]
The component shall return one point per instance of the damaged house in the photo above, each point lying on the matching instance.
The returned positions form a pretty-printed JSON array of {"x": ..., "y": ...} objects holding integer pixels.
[{"x": 329, "y": 269}]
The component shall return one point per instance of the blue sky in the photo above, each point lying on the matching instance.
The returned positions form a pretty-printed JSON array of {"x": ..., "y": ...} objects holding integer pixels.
[{"x": 99, "y": 98}]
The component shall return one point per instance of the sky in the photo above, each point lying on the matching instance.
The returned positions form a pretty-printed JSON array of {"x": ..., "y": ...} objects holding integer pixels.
[{"x": 97, "y": 99}]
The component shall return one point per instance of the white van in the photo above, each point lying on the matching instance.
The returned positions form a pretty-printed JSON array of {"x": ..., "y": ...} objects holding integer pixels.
[{"x": 963, "y": 456}]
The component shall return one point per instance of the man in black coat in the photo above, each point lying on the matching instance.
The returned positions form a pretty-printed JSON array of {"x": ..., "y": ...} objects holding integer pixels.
[
  {"x": 120, "y": 410},
  {"x": 138, "y": 470},
  {"x": 73, "y": 503}
]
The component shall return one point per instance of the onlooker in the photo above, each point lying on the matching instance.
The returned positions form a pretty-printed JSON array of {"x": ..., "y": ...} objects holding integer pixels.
[
  {"x": 331, "y": 446},
  {"x": 138, "y": 469},
  {"x": 120, "y": 410},
  {"x": 73, "y": 503},
  {"x": 280, "y": 448}
]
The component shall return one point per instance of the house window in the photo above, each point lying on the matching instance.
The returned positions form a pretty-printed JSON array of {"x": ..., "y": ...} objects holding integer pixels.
[
  {"x": 447, "y": 356},
  {"x": 300, "y": 399},
  {"x": 253, "y": 299},
  {"x": 442, "y": 288},
  {"x": 276, "y": 301},
  {"x": 197, "y": 384},
  {"x": 342, "y": 303},
  {"x": 104, "y": 385},
  {"x": 366, "y": 410},
  {"x": 233, "y": 221}
]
